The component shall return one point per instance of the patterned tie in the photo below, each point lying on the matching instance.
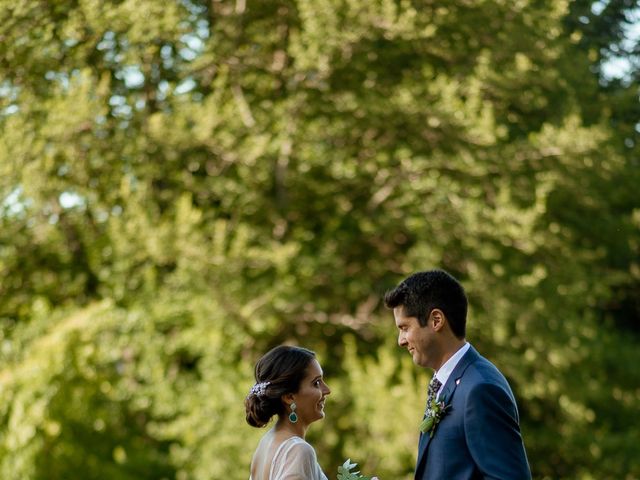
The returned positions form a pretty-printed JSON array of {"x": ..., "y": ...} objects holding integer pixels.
[{"x": 432, "y": 391}]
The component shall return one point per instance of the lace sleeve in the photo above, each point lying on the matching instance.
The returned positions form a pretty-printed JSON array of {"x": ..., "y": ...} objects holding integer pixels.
[{"x": 299, "y": 462}]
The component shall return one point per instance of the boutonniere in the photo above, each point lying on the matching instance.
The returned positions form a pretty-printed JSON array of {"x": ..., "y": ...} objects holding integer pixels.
[{"x": 435, "y": 412}]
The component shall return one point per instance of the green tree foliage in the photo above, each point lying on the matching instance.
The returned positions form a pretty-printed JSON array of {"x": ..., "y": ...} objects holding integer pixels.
[{"x": 186, "y": 184}]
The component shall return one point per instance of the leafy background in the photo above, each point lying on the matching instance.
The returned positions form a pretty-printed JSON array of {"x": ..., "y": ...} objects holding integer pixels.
[{"x": 186, "y": 184}]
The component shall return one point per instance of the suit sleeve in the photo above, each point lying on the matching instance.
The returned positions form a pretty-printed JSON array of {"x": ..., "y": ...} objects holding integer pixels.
[{"x": 493, "y": 434}]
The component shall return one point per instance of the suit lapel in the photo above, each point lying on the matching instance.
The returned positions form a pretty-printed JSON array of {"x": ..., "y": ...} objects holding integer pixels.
[
  {"x": 454, "y": 379},
  {"x": 447, "y": 393}
]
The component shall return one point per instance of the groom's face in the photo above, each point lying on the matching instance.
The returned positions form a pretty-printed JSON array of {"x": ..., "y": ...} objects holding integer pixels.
[{"x": 418, "y": 340}]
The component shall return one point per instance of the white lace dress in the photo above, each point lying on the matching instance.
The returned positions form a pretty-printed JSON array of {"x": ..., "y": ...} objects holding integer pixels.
[{"x": 294, "y": 459}]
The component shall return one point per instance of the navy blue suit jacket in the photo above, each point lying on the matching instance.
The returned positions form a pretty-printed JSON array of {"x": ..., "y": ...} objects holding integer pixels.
[{"x": 479, "y": 436}]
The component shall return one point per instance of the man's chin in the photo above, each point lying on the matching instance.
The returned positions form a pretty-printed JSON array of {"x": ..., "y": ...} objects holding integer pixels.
[{"x": 418, "y": 361}]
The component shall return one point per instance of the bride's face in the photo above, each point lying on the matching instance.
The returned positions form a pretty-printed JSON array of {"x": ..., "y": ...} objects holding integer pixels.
[{"x": 310, "y": 398}]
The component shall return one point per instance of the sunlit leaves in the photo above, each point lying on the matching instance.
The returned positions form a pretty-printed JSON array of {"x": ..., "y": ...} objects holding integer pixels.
[{"x": 185, "y": 185}]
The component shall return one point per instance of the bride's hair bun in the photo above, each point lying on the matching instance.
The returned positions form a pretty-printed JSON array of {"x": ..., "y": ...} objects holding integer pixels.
[{"x": 278, "y": 372}]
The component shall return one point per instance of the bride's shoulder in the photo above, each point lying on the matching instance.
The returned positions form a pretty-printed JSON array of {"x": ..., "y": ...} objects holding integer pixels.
[
  {"x": 296, "y": 459},
  {"x": 296, "y": 442},
  {"x": 297, "y": 447}
]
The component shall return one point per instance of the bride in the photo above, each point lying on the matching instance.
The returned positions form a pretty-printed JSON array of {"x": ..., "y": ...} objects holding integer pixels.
[{"x": 289, "y": 384}]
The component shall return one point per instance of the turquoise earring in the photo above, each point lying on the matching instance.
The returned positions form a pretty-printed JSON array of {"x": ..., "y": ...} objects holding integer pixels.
[{"x": 293, "y": 417}]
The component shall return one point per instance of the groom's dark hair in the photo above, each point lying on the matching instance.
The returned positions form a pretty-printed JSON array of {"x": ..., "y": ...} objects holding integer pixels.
[{"x": 421, "y": 292}]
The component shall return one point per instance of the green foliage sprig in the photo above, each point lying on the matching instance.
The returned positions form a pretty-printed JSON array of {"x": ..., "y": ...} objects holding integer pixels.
[
  {"x": 435, "y": 413},
  {"x": 345, "y": 473}
]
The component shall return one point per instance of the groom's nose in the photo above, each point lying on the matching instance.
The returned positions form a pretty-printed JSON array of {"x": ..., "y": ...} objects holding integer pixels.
[{"x": 401, "y": 340}]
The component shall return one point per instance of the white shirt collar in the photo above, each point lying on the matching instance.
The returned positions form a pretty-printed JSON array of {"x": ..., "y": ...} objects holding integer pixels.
[{"x": 446, "y": 370}]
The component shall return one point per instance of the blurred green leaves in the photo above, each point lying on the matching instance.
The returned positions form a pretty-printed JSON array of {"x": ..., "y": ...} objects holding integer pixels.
[{"x": 185, "y": 185}]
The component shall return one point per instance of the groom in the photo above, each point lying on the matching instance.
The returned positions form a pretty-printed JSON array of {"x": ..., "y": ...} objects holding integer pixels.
[{"x": 471, "y": 428}]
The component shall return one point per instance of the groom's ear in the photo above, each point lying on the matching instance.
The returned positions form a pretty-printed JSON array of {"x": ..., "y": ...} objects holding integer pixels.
[{"x": 438, "y": 319}]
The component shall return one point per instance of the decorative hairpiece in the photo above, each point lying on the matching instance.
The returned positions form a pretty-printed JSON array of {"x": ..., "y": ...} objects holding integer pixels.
[{"x": 259, "y": 389}]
